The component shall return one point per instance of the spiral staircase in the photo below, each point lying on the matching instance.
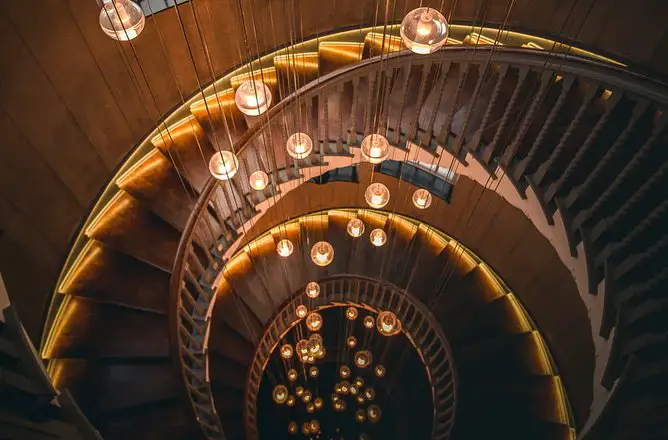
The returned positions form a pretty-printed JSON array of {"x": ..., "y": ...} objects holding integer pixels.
[{"x": 586, "y": 139}]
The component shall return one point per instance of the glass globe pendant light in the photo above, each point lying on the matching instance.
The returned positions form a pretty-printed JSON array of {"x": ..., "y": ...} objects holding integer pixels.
[
  {"x": 375, "y": 148},
  {"x": 292, "y": 428},
  {"x": 378, "y": 237},
  {"x": 252, "y": 98},
  {"x": 351, "y": 341},
  {"x": 363, "y": 358},
  {"x": 355, "y": 227},
  {"x": 290, "y": 401},
  {"x": 122, "y": 20},
  {"x": 379, "y": 370},
  {"x": 368, "y": 321},
  {"x": 292, "y": 375},
  {"x": 322, "y": 253},
  {"x": 286, "y": 351},
  {"x": 318, "y": 402},
  {"x": 301, "y": 311},
  {"x": 344, "y": 371},
  {"x": 377, "y": 195},
  {"x": 258, "y": 180},
  {"x": 351, "y": 313},
  {"x": 285, "y": 248},
  {"x": 360, "y": 415},
  {"x": 424, "y": 30},
  {"x": 422, "y": 198},
  {"x": 312, "y": 289},
  {"x": 223, "y": 165},
  {"x": 314, "y": 321},
  {"x": 299, "y": 146},
  {"x": 313, "y": 371},
  {"x": 374, "y": 413},
  {"x": 280, "y": 394},
  {"x": 388, "y": 323},
  {"x": 369, "y": 394}
]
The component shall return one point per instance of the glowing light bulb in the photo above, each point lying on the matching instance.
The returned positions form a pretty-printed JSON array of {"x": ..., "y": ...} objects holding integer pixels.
[
  {"x": 360, "y": 399},
  {"x": 291, "y": 401},
  {"x": 351, "y": 313},
  {"x": 322, "y": 253},
  {"x": 355, "y": 227},
  {"x": 344, "y": 371},
  {"x": 359, "y": 382},
  {"x": 369, "y": 394},
  {"x": 258, "y": 180},
  {"x": 286, "y": 351},
  {"x": 314, "y": 321},
  {"x": 310, "y": 408},
  {"x": 317, "y": 402},
  {"x": 373, "y": 413},
  {"x": 312, "y": 289},
  {"x": 351, "y": 341},
  {"x": 299, "y": 146},
  {"x": 315, "y": 344},
  {"x": 360, "y": 415},
  {"x": 280, "y": 394},
  {"x": 223, "y": 165},
  {"x": 313, "y": 371},
  {"x": 301, "y": 311},
  {"x": 292, "y": 375},
  {"x": 122, "y": 20},
  {"x": 368, "y": 321},
  {"x": 345, "y": 387},
  {"x": 307, "y": 396},
  {"x": 299, "y": 391},
  {"x": 378, "y": 237},
  {"x": 379, "y": 370},
  {"x": 252, "y": 98},
  {"x": 363, "y": 358},
  {"x": 424, "y": 30},
  {"x": 354, "y": 390},
  {"x": 375, "y": 148},
  {"x": 315, "y": 426},
  {"x": 377, "y": 195},
  {"x": 285, "y": 248},
  {"x": 388, "y": 323},
  {"x": 306, "y": 428},
  {"x": 292, "y": 428},
  {"x": 422, "y": 198}
]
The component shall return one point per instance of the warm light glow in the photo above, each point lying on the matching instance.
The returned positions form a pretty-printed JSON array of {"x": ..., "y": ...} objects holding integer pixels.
[
  {"x": 422, "y": 198},
  {"x": 339, "y": 405},
  {"x": 363, "y": 358},
  {"x": 369, "y": 321},
  {"x": 223, "y": 165},
  {"x": 315, "y": 426},
  {"x": 291, "y": 401},
  {"x": 377, "y": 195},
  {"x": 345, "y": 387},
  {"x": 359, "y": 382},
  {"x": 285, "y": 248},
  {"x": 306, "y": 428},
  {"x": 355, "y": 227},
  {"x": 280, "y": 394},
  {"x": 360, "y": 415},
  {"x": 344, "y": 371},
  {"x": 354, "y": 389},
  {"x": 388, "y": 323},
  {"x": 253, "y": 98},
  {"x": 122, "y": 20},
  {"x": 351, "y": 341},
  {"x": 318, "y": 402},
  {"x": 314, "y": 321},
  {"x": 299, "y": 391},
  {"x": 351, "y": 313},
  {"x": 258, "y": 180},
  {"x": 307, "y": 396},
  {"x": 379, "y": 370},
  {"x": 286, "y": 351},
  {"x": 292, "y": 428},
  {"x": 321, "y": 353},
  {"x": 312, "y": 289},
  {"x": 378, "y": 237},
  {"x": 374, "y": 413},
  {"x": 375, "y": 148},
  {"x": 322, "y": 253},
  {"x": 424, "y": 30},
  {"x": 292, "y": 375},
  {"x": 299, "y": 146},
  {"x": 310, "y": 408},
  {"x": 315, "y": 344},
  {"x": 301, "y": 311},
  {"x": 313, "y": 371},
  {"x": 360, "y": 399},
  {"x": 369, "y": 394}
]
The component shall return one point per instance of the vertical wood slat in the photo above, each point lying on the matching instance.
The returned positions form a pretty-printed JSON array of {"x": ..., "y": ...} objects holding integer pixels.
[
  {"x": 352, "y": 134},
  {"x": 472, "y": 145},
  {"x": 444, "y": 71},
  {"x": 402, "y": 105},
  {"x": 490, "y": 149},
  {"x": 415, "y": 122},
  {"x": 555, "y": 187},
  {"x": 508, "y": 155},
  {"x": 444, "y": 135},
  {"x": 371, "y": 97},
  {"x": 565, "y": 138},
  {"x": 528, "y": 162}
]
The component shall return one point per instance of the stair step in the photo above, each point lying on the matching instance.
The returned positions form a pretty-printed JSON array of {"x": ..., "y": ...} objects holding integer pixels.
[{"x": 334, "y": 55}]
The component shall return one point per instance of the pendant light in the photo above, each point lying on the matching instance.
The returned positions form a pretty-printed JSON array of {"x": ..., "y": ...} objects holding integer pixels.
[
  {"x": 299, "y": 146},
  {"x": 378, "y": 237},
  {"x": 252, "y": 98},
  {"x": 223, "y": 165},
  {"x": 258, "y": 180},
  {"x": 285, "y": 248},
  {"x": 375, "y": 148},
  {"x": 122, "y": 20},
  {"x": 322, "y": 253},
  {"x": 355, "y": 227},
  {"x": 424, "y": 30},
  {"x": 377, "y": 195},
  {"x": 422, "y": 198}
]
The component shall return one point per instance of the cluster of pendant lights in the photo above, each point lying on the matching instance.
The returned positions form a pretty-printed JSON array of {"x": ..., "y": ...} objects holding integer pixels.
[{"x": 308, "y": 350}]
